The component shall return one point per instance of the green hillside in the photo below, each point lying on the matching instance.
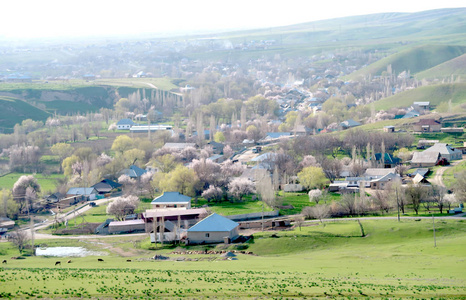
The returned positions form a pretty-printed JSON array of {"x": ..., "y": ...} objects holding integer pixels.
[
  {"x": 455, "y": 67},
  {"x": 436, "y": 94},
  {"x": 415, "y": 60},
  {"x": 15, "y": 111}
]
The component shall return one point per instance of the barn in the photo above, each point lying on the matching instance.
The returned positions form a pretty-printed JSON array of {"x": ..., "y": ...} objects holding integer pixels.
[{"x": 213, "y": 229}]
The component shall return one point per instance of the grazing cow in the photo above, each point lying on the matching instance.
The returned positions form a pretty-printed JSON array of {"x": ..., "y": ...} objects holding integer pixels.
[
  {"x": 58, "y": 263},
  {"x": 69, "y": 261},
  {"x": 4, "y": 261},
  {"x": 128, "y": 260},
  {"x": 100, "y": 259}
]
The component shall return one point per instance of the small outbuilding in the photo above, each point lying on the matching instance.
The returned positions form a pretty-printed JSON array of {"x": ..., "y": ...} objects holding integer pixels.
[
  {"x": 213, "y": 229},
  {"x": 106, "y": 186}
]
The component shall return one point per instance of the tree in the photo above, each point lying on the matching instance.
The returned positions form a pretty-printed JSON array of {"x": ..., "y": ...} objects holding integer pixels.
[
  {"x": 349, "y": 204},
  {"x": 122, "y": 206},
  {"x": 19, "y": 238},
  {"x": 181, "y": 179},
  {"x": 459, "y": 186},
  {"x": 315, "y": 195},
  {"x": 239, "y": 187},
  {"x": 63, "y": 150},
  {"x": 129, "y": 184},
  {"x": 219, "y": 137},
  {"x": 21, "y": 186},
  {"x": 8, "y": 207},
  {"x": 299, "y": 221},
  {"x": 67, "y": 165},
  {"x": 414, "y": 194},
  {"x": 438, "y": 194},
  {"x": 122, "y": 143},
  {"x": 320, "y": 212},
  {"x": 312, "y": 177},
  {"x": 165, "y": 163},
  {"x": 213, "y": 193}
]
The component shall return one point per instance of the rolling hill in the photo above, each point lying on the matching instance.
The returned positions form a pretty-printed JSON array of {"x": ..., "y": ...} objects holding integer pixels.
[
  {"x": 15, "y": 111},
  {"x": 453, "y": 67},
  {"x": 415, "y": 60},
  {"x": 436, "y": 94}
]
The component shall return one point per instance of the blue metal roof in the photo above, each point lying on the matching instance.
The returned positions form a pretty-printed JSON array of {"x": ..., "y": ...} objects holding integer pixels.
[
  {"x": 125, "y": 122},
  {"x": 133, "y": 171},
  {"x": 276, "y": 135},
  {"x": 168, "y": 197},
  {"x": 214, "y": 222}
]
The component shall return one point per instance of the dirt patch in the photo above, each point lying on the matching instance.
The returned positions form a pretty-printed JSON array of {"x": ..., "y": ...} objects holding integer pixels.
[{"x": 85, "y": 228}]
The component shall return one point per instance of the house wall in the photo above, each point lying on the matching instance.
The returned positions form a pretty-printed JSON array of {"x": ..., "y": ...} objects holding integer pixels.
[
  {"x": 199, "y": 237},
  {"x": 431, "y": 128},
  {"x": 126, "y": 126},
  {"x": 422, "y": 165},
  {"x": 171, "y": 205},
  {"x": 126, "y": 228}
]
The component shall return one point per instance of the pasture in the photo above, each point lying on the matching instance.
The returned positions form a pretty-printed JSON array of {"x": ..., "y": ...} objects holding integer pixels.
[{"x": 392, "y": 260}]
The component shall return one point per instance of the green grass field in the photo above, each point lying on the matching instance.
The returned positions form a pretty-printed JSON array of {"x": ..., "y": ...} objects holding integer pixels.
[
  {"x": 47, "y": 183},
  {"x": 449, "y": 174},
  {"x": 435, "y": 94},
  {"x": 393, "y": 260},
  {"x": 227, "y": 208}
]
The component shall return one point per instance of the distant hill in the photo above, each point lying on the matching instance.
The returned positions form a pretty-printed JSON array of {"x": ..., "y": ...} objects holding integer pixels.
[
  {"x": 415, "y": 60},
  {"x": 14, "y": 111},
  {"x": 455, "y": 67},
  {"x": 436, "y": 94}
]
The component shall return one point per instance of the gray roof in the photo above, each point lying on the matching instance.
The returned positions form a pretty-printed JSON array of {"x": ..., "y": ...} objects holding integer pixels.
[
  {"x": 371, "y": 172},
  {"x": 388, "y": 177},
  {"x": 425, "y": 157},
  {"x": 172, "y": 197},
  {"x": 349, "y": 123},
  {"x": 442, "y": 148},
  {"x": 214, "y": 222}
]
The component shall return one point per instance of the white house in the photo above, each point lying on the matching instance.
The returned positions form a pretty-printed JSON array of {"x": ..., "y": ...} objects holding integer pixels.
[
  {"x": 125, "y": 124},
  {"x": 172, "y": 200}
]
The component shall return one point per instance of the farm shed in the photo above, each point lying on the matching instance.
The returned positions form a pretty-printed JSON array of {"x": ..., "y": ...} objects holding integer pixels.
[
  {"x": 86, "y": 193},
  {"x": 213, "y": 229},
  {"x": 425, "y": 159},
  {"x": 126, "y": 226},
  {"x": 106, "y": 186},
  {"x": 446, "y": 151}
]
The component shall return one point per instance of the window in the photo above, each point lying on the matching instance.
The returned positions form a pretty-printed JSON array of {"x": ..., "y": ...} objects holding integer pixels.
[{"x": 207, "y": 235}]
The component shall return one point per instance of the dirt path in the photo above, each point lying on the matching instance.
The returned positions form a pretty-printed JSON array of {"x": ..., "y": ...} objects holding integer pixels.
[{"x": 438, "y": 177}]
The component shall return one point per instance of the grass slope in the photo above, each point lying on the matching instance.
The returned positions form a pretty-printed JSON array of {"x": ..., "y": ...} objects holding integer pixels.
[
  {"x": 15, "y": 111},
  {"x": 393, "y": 260},
  {"x": 453, "y": 67},
  {"x": 436, "y": 94},
  {"x": 415, "y": 60},
  {"x": 47, "y": 183}
]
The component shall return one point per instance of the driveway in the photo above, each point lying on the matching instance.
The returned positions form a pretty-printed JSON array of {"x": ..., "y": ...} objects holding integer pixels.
[{"x": 438, "y": 177}]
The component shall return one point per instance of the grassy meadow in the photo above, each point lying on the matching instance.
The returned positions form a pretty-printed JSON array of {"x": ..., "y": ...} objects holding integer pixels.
[
  {"x": 47, "y": 182},
  {"x": 334, "y": 261}
]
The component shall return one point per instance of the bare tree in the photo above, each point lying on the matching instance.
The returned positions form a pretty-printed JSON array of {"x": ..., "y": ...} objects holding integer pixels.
[
  {"x": 19, "y": 238},
  {"x": 414, "y": 195},
  {"x": 320, "y": 212},
  {"x": 299, "y": 221}
]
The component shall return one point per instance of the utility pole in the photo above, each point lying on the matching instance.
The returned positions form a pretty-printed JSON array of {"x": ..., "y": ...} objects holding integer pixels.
[{"x": 397, "y": 203}]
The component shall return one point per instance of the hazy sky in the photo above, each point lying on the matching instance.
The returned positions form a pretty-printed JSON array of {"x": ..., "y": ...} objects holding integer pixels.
[{"x": 52, "y": 18}]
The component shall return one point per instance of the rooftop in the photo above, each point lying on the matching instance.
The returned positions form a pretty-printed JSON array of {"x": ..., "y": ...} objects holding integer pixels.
[{"x": 214, "y": 222}]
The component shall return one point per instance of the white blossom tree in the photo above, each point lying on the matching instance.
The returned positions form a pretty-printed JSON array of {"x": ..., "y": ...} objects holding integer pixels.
[
  {"x": 122, "y": 206},
  {"x": 239, "y": 187},
  {"x": 213, "y": 193}
]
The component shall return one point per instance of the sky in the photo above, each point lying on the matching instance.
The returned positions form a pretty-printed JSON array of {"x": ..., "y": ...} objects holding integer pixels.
[{"x": 26, "y": 19}]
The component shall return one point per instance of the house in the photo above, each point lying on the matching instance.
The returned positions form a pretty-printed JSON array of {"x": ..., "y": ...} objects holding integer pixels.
[
  {"x": 213, "y": 229},
  {"x": 446, "y": 151},
  {"x": 124, "y": 124},
  {"x": 171, "y": 200},
  {"x": 133, "y": 172},
  {"x": 422, "y": 105},
  {"x": 422, "y": 171},
  {"x": 373, "y": 173},
  {"x": 216, "y": 147},
  {"x": 218, "y": 158},
  {"x": 425, "y": 159},
  {"x": 427, "y": 125},
  {"x": 420, "y": 179},
  {"x": 350, "y": 123},
  {"x": 410, "y": 114},
  {"x": 273, "y": 136},
  {"x": 452, "y": 129},
  {"x": 389, "y": 128},
  {"x": 301, "y": 130},
  {"x": 54, "y": 198},
  {"x": 390, "y": 161},
  {"x": 179, "y": 146},
  {"x": 151, "y": 127},
  {"x": 186, "y": 217},
  {"x": 89, "y": 193},
  {"x": 382, "y": 182},
  {"x": 106, "y": 186}
]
